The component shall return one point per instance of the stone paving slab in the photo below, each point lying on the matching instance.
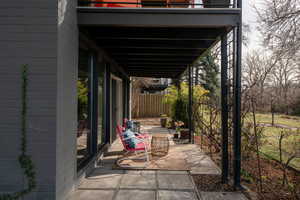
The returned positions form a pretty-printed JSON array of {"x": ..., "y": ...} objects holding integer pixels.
[
  {"x": 138, "y": 181},
  {"x": 172, "y": 181},
  {"x": 172, "y": 172},
  {"x": 93, "y": 195},
  {"x": 135, "y": 195},
  {"x": 222, "y": 196},
  {"x": 106, "y": 182},
  {"x": 176, "y": 195},
  {"x": 100, "y": 173},
  {"x": 141, "y": 172},
  {"x": 204, "y": 170}
]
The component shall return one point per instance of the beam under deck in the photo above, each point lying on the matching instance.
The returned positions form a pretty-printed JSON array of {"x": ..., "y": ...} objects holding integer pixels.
[{"x": 158, "y": 17}]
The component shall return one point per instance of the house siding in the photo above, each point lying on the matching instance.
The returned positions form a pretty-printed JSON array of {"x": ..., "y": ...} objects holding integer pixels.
[
  {"x": 43, "y": 35},
  {"x": 66, "y": 170},
  {"x": 28, "y": 36}
]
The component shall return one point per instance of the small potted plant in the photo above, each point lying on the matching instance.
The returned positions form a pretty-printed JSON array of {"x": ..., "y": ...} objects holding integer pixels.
[
  {"x": 216, "y": 3},
  {"x": 178, "y": 125},
  {"x": 163, "y": 120}
]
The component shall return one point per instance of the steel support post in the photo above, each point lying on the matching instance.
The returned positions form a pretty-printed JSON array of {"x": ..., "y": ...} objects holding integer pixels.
[
  {"x": 237, "y": 109},
  {"x": 190, "y": 104},
  {"x": 107, "y": 102},
  {"x": 224, "y": 105},
  {"x": 128, "y": 98}
]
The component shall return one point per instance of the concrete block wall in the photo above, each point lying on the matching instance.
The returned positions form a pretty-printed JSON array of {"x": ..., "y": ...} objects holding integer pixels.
[{"x": 42, "y": 34}]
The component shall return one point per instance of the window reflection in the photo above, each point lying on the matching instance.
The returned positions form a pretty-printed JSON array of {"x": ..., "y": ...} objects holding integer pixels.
[
  {"x": 83, "y": 125},
  {"x": 101, "y": 138}
]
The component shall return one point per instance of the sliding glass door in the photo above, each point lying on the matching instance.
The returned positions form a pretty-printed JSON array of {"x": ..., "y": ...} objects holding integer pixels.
[
  {"x": 90, "y": 112},
  {"x": 83, "y": 109},
  {"x": 116, "y": 105},
  {"x": 100, "y": 121}
]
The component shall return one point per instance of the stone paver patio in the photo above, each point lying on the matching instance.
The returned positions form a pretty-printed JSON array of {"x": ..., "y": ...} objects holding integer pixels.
[
  {"x": 136, "y": 185},
  {"x": 106, "y": 183}
]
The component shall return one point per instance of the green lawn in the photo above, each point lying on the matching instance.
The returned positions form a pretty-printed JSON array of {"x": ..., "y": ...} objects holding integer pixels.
[
  {"x": 271, "y": 137},
  {"x": 288, "y": 120}
]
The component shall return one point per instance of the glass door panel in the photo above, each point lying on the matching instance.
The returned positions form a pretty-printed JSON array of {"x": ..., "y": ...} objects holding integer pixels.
[
  {"x": 100, "y": 129},
  {"x": 83, "y": 110}
]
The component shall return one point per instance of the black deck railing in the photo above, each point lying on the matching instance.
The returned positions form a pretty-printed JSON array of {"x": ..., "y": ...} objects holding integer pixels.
[{"x": 154, "y": 4}]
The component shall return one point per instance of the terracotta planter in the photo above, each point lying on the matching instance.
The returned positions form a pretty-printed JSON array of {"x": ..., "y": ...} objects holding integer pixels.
[
  {"x": 163, "y": 122},
  {"x": 216, "y": 3},
  {"x": 197, "y": 139}
]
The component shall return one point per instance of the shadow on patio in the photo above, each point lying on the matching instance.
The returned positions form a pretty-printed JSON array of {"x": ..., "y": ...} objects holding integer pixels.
[{"x": 166, "y": 178}]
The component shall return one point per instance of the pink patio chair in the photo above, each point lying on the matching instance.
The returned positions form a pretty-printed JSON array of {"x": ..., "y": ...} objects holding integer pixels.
[{"x": 142, "y": 146}]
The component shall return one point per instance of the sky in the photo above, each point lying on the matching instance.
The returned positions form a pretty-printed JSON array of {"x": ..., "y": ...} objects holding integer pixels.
[{"x": 250, "y": 17}]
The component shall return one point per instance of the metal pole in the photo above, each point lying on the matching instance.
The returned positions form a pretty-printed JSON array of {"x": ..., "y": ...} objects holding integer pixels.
[
  {"x": 107, "y": 102},
  {"x": 129, "y": 99},
  {"x": 190, "y": 103},
  {"x": 237, "y": 106},
  {"x": 224, "y": 103}
]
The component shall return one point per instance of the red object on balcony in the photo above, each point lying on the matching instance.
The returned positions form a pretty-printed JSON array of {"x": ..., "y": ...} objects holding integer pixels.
[{"x": 111, "y": 3}]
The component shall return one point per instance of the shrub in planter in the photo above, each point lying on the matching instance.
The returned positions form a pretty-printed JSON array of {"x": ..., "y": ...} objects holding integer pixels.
[
  {"x": 180, "y": 111},
  {"x": 163, "y": 121},
  {"x": 216, "y": 3}
]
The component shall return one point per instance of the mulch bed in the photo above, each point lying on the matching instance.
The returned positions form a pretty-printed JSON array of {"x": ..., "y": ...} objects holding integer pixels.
[
  {"x": 271, "y": 178},
  {"x": 211, "y": 183}
]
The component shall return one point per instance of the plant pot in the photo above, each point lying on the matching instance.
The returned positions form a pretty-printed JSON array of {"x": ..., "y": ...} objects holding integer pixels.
[
  {"x": 197, "y": 139},
  {"x": 173, "y": 124},
  {"x": 176, "y": 136},
  {"x": 163, "y": 122},
  {"x": 184, "y": 134},
  {"x": 216, "y": 3}
]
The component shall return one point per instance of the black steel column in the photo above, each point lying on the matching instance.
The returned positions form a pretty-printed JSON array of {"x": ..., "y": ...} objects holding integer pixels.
[
  {"x": 124, "y": 87},
  {"x": 224, "y": 104},
  {"x": 237, "y": 107},
  {"x": 190, "y": 104},
  {"x": 126, "y": 95},
  {"x": 107, "y": 103}
]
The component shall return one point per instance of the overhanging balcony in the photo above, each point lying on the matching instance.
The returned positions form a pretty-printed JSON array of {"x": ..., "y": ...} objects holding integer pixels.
[{"x": 156, "y": 42}]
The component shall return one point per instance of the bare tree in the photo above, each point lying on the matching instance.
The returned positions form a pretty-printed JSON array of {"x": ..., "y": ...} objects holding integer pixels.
[
  {"x": 279, "y": 22},
  {"x": 283, "y": 79},
  {"x": 256, "y": 75}
]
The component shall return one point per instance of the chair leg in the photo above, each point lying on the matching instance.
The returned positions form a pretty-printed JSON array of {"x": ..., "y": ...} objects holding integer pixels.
[{"x": 146, "y": 158}]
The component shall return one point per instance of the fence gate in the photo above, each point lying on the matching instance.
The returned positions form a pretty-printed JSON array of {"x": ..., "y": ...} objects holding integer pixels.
[{"x": 149, "y": 105}]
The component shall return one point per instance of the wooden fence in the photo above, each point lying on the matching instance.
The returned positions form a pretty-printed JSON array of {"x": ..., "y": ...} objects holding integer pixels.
[{"x": 149, "y": 105}]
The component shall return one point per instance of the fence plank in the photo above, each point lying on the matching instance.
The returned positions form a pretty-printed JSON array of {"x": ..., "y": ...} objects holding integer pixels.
[{"x": 150, "y": 105}]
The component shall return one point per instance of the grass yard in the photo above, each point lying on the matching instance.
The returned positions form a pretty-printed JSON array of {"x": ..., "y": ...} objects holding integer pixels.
[
  {"x": 292, "y": 121},
  {"x": 290, "y": 143}
]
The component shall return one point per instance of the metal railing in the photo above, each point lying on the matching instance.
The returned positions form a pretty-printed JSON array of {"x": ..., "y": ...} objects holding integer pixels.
[{"x": 157, "y": 3}]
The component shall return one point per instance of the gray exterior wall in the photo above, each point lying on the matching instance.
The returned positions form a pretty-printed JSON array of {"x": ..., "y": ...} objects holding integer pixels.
[
  {"x": 42, "y": 34},
  {"x": 67, "y": 98}
]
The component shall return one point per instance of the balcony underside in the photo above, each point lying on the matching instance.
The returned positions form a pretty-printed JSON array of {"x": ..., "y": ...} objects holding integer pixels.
[{"x": 156, "y": 42}]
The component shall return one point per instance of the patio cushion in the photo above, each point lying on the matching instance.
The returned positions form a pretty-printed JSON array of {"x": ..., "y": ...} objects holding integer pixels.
[
  {"x": 129, "y": 124},
  {"x": 132, "y": 141},
  {"x": 140, "y": 146}
]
